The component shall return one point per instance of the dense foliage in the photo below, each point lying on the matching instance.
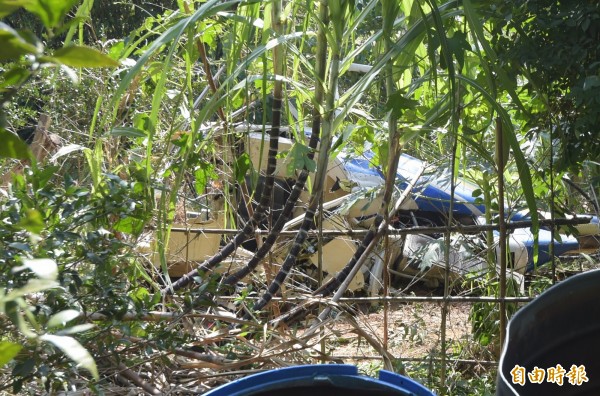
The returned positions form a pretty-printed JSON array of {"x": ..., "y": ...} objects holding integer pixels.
[
  {"x": 555, "y": 47},
  {"x": 111, "y": 21},
  {"x": 47, "y": 218}
]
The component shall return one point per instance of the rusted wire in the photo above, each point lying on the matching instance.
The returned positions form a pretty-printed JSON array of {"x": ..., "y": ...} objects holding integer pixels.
[{"x": 466, "y": 229}]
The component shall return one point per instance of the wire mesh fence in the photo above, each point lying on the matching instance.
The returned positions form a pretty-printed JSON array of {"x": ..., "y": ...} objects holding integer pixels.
[{"x": 445, "y": 336}]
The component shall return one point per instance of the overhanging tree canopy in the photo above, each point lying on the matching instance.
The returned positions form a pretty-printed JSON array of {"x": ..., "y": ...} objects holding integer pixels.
[{"x": 555, "y": 46}]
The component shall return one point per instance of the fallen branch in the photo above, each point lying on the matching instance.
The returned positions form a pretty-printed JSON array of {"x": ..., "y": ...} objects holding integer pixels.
[
  {"x": 137, "y": 380},
  {"x": 156, "y": 316}
]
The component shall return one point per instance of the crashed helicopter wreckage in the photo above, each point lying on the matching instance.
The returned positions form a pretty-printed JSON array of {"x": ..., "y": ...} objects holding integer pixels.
[{"x": 351, "y": 201}]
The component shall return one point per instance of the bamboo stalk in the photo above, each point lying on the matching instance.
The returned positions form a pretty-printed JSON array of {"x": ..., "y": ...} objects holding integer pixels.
[
  {"x": 390, "y": 10},
  {"x": 256, "y": 217},
  {"x": 503, "y": 231},
  {"x": 279, "y": 66},
  {"x": 275, "y": 231},
  {"x": 322, "y": 162}
]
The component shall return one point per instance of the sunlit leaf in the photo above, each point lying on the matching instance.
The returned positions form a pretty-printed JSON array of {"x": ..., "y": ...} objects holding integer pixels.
[
  {"x": 32, "y": 286},
  {"x": 95, "y": 160},
  {"x": 76, "y": 329},
  {"x": 8, "y": 351},
  {"x": 116, "y": 50},
  {"x": 62, "y": 318},
  {"x": 42, "y": 268},
  {"x": 242, "y": 164},
  {"x": 79, "y": 56},
  {"x": 32, "y": 221},
  {"x": 141, "y": 294},
  {"x": 202, "y": 176},
  {"x": 74, "y": 350},
  {"x": 129, "y": 225},
  {"x": 68, "y": 149}
]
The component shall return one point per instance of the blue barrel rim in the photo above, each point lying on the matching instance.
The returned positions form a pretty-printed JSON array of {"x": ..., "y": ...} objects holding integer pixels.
[{"x": 318, "y": 373}]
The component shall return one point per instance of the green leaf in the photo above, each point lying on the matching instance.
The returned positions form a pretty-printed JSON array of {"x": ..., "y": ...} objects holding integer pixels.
[
  {"x": 32, "y": 222},
  {"x": 458, "y": 44},
  {"x": 143, "y": 122},
  {"x": 74, "y": 350},
  {"x": 8, "y": 351},
  {"x": 44, "y": 176},
  {"x": 7, "y": 7},
  {"x": 79, "y": 56},
  {"x": 202, "y": 175},
  {"x": 12, "y": 146},
  {"x": 128, "y": 132},
  {"x": 61, "y": 318},
  {"x": 389, "y": 11},
  {"x": 140, "y": 296},
  {"x": 116, "y": 50},
  {"x": 397, "y": 103},
  {"x": 242, "y": 164},
  {"x": 14, "y": 45},
  {"x": 15, "y": 76},
  {"x": 51, "y": 12},
  {"x": 129, "y": 225},
  {"x": 298, "y": 156},
  {"x": 95, "y": 159}
]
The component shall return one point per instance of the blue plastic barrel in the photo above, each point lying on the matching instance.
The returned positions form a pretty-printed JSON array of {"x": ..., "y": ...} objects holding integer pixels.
[{"x": 321, "y": 380}]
